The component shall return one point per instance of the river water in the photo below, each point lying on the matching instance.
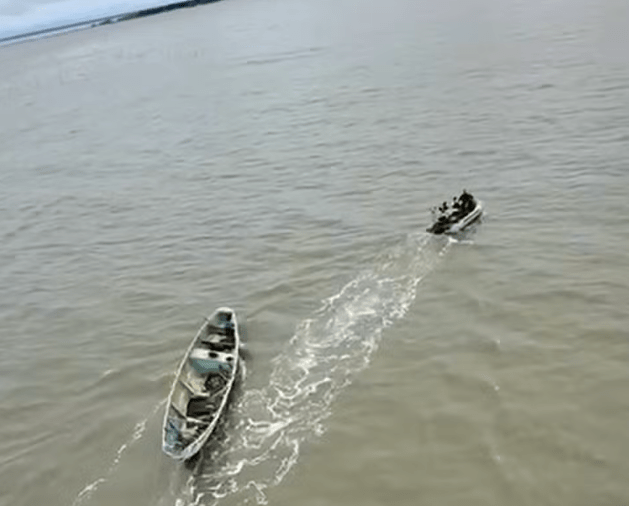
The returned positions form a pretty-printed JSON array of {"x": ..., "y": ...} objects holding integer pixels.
[{"x": 280, "y": 157}]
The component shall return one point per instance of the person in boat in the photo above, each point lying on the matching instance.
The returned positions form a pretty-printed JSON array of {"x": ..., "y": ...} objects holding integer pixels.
[
  {"x": 459, "y": 210},
  {"x": 467, "y": 201}
]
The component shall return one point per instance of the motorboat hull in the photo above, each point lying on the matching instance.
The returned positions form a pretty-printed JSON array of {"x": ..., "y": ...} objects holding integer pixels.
[{"x": 455, "y": 227}]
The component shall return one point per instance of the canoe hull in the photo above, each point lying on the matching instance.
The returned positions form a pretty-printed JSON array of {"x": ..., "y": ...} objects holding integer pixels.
[{"x": 202, "y": 386}]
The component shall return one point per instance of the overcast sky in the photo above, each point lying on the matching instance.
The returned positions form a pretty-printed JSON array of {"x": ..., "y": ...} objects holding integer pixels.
[{"x": 21, "y": 16}]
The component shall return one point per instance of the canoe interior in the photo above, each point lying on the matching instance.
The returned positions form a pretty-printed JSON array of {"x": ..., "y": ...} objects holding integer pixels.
[{"x": 202, "y": 386}]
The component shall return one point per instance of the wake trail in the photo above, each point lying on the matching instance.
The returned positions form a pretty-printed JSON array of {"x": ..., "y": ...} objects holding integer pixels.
[
  {"x": 138, "y": 431},
  {"x": 323, "y": 356}
]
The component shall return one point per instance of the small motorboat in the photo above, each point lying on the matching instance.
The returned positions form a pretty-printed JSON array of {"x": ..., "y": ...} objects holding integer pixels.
[
  {"x": 202, "y": 386},
  {"x": 464, "y": 211}
]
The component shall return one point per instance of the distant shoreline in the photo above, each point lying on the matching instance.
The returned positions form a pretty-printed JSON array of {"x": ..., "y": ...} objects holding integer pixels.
[{"x": 47, "y": 32}]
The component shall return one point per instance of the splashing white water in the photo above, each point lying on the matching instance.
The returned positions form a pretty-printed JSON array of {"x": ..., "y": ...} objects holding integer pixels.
[{"x": 322, "y": 357}]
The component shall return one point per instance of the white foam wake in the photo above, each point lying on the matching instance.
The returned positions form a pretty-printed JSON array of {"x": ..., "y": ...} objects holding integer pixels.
[{"x": 322, "y": 357}]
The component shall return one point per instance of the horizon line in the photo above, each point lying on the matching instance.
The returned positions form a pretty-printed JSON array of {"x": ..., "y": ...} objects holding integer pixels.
[{"x": 114, "y": 18}]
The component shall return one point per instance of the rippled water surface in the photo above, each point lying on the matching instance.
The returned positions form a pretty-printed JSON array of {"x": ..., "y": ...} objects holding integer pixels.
[{"x": 280, "y": 157}]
